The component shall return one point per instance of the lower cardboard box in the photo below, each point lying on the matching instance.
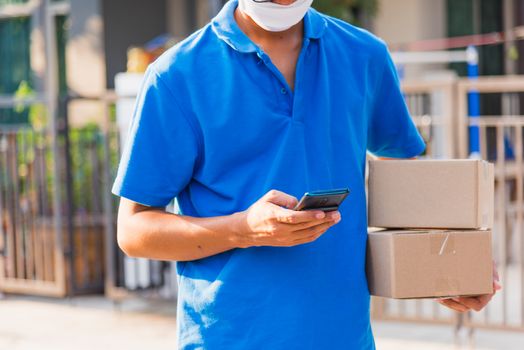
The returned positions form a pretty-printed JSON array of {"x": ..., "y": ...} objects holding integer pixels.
[{"x": 408, "y": 264}]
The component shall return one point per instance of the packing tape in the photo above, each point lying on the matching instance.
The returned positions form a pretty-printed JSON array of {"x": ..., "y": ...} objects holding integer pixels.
[{"x": 442, "y": 244}]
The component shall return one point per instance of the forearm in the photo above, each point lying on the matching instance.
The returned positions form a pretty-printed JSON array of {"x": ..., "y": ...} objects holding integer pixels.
[{"x": 156, "y": 234}]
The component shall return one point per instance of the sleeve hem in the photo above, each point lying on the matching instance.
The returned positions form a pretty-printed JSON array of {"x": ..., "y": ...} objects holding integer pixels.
[
  {"x": 141, "y": 198},
  {"x": 408, "y": 152}
]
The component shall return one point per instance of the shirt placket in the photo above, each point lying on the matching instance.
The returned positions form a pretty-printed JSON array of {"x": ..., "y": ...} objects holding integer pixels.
[
  {"x": 287, "y": 96},
  {"x": 298, "y": 101}
]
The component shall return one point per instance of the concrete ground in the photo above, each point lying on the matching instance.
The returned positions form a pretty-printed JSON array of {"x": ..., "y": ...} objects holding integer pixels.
[
  {"x": 403, "y": 336},
  {"x": 29, "y": 323}
]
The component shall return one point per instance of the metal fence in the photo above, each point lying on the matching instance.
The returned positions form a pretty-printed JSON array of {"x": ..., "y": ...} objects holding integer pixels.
[
  {"x": 30, "y": 260},
  {"x": 47, "y": 248},
  {"x": 501, "y": 143}
]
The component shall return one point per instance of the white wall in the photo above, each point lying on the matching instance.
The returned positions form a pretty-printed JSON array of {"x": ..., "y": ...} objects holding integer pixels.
[
  {"x": 177, "y": 21},
  {"x": 177, "y": 18},
  {"x": 401, "y": 21},
  {"x": 404, "y": 21},
  {"x": 86, "y": 69}
]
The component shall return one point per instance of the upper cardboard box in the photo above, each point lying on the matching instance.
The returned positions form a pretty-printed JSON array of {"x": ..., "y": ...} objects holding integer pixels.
[{"x": 431, "y": 194}]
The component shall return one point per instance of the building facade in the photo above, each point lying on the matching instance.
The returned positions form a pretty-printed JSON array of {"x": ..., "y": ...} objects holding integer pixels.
[
  {"x": 401, "y": 22},
  {"x": 89, "y": 40}
]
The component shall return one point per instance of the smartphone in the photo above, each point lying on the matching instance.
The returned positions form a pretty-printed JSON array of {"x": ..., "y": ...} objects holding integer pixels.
[{"x": 322, "y": 200}]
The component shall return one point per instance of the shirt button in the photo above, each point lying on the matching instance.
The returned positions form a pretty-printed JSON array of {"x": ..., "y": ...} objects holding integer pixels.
[{"x": 283, "y": 91}]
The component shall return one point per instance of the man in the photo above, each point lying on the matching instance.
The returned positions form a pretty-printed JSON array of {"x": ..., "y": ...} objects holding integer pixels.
[{"x": 268, "y": 101}]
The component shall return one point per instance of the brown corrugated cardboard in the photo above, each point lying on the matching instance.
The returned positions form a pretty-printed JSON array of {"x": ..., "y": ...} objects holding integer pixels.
[
  {"x": 426, "y": 264},
  {"x": 431, "y": 194}
]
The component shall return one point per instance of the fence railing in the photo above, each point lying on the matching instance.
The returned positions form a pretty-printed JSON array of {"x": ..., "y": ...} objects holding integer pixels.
[
  {"x": 29, "y": 260},
  {"x": 501, "y": 142},
  {"x": 37, "y": 256}
]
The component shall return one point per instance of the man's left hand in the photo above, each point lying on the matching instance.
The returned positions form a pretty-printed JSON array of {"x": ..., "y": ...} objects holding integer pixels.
[{"x": 464, "y": 304}]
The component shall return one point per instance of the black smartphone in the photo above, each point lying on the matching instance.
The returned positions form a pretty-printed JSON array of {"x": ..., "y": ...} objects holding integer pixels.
[{"x": 322, "y": 200}]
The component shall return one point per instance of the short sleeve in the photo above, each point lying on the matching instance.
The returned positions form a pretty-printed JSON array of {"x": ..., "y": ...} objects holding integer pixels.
[
  {"x": 161, "y": 149},
  {"x": 391, "y": 131}
]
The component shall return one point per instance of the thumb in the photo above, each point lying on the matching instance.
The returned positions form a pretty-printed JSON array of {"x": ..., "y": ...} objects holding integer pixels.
[
  {"x": 280, "y": 198},
  {"x": 497, "y": 286}
]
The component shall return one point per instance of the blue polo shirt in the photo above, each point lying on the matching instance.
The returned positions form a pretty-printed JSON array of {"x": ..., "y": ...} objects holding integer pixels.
[{"x": 217, "y": 126}]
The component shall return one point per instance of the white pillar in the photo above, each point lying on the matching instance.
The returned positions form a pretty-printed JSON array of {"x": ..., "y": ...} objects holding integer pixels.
[
  {"x": 85, "y": 56},
  {"x": 399, "y": 22}
]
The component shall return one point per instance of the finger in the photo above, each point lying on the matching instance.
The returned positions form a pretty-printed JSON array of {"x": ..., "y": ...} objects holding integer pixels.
[
  {"x": 308, "y": 239},
  {"x": 496, "y": 276},
  {"x": 310, "y": 236},
  {"x": 294, "y": 228},
  {"x": 496, "y": 286},
  {"x": 281, "y": 199},
  {"x": 291, "y": 242},
  {"x": 307, "y": 235},
  {"x": 485, "y": 299},
  {"x": 316, "y": 232},
  {"x": 312, "y": 231},
  {"x": 287, "y": 216},
  {"x": 453, "y": 305},
  {"x": 330, "y": 218},
  {"x": 475, "y": 303}
]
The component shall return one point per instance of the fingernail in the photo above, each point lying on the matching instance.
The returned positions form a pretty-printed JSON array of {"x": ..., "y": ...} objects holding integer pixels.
[
  {"x": 336, "y": 216},
  {"x": 320, "y": 215}
]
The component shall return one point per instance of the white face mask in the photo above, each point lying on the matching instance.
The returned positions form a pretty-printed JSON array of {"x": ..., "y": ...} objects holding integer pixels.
[{"x": 275, "y": 17}]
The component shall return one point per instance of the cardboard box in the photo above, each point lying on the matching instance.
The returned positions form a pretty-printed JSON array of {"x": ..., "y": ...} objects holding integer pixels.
[
  {"x": 431, "y": 194},
  {"x": 426, "y": 264}
]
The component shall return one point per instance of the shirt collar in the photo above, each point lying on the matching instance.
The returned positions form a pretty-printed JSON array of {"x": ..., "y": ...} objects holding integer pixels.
[{"x": 227, "y": 29}]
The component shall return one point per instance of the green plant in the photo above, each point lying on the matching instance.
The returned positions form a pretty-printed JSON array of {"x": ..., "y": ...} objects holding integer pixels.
[
  {"x": 37, "y": 111},
  {"x": 86, "y": 150}
]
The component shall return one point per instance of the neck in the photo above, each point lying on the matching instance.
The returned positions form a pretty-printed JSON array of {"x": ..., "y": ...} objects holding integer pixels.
[{"x": 259, "y": 34}]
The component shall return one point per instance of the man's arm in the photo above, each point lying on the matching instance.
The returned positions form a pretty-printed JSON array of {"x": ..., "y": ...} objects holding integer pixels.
[{"x": 155, "y": 234}]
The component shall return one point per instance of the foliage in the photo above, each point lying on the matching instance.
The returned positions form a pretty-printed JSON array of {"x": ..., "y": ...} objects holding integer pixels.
[
  {"x": 88, "y": 162},
  {"x": 86, "y": 154},
  {"x": 37, "y": 111},
  {"x": 10, "y": 2}
]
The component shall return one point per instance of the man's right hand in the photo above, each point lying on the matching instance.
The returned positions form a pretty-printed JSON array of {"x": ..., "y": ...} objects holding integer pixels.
[{"x": 271, "y": 222}]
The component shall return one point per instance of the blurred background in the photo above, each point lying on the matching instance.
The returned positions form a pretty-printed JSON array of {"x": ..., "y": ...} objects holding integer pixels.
[{"x": 69, "y": 73}]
